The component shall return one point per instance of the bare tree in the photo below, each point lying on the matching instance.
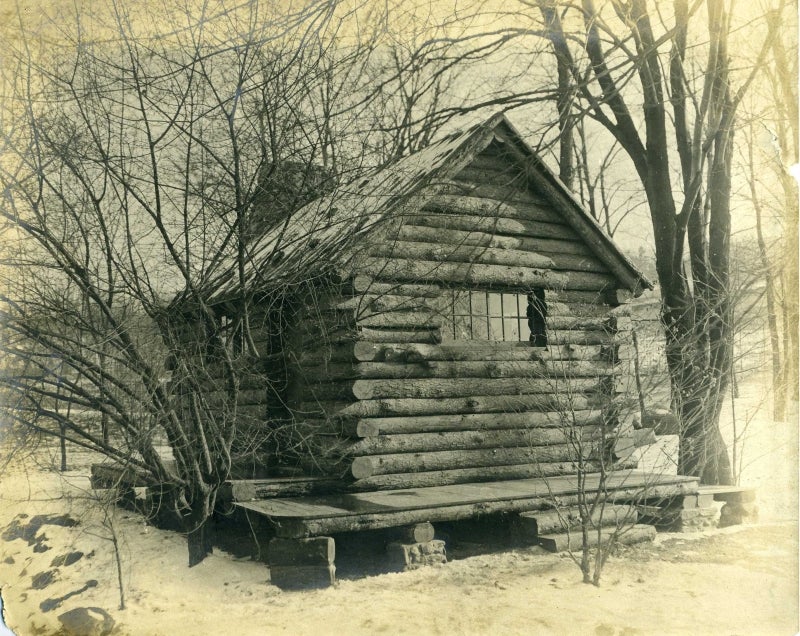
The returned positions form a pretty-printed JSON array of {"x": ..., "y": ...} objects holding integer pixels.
[
  {"x": 131, "y": 173},
  {"x": 659, "y": 80},
  {"x": 632, "y": 42},
  {"x": 771, "y": 148}
]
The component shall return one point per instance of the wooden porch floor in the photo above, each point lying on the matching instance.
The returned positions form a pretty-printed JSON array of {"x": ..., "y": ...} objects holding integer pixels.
[{"x": 295, "y": 517}]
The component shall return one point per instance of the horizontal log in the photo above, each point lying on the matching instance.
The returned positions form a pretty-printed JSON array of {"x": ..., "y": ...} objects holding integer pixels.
[
  {"x": 466, "y": 185},
  {"x": 444, "y": 369},
  {"x": 249, "y": 489},
  {"x": 458, "y": 387},
  {"x": 573, "y": 541},
  {"x": 369, "y": 303},
  {"x": 608, "y": 324},
  {"x": 560, "y": 315},
  {"x": 579, "y": 296},
  {"x": 575, "y": 254},
  {"x": 472, "y": 440},
  {"x": 560, "y": 308},
  {"x": 505, "y": 185},
  {"x": 363, "y": 284},
  {"x": 327, "y": 353},
  {"x": 369, "y": 427},
  {"x": 505, "y": 176},
  {"x": 420, "y": 319},
  {"x": 370, "y": 465},
  {"x": 430, "y": 318},
  {"x": 479, "y": 274},
  {"x": 495, "y": 159},
  {"x": 493, "y": 225},
  {"x": 473, "y": 475},
  {"x": 352, "y": 427},
  {"x": 337, "y": 337},
  {"x": 477, "y": 351},
  {"x": 461, "y": 254},
  {"x": 605, "y": 514},
  {"x": 414, "y": 533},
  {"x": 250, "y": 426},
  {"x": 422, "y": 336},
  {"x": 579, "y": 337},
  {"x": 492, "y": 208},
  {"x": 472, "y": 404},
  {"x": 567, "y": 206}
]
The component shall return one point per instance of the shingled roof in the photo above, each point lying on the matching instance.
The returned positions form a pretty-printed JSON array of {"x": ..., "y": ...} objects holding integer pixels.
[{"x": 321, "y": 232}]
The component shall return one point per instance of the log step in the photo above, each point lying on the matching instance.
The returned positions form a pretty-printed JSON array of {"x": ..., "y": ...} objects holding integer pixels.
[
  {"x": 545, "y": 522},
  {"x": 571, "y": 541}
]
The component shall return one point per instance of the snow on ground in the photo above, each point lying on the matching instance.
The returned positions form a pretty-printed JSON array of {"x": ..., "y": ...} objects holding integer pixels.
[
  {"x": 766, "y": 451},
  {"x": 740, "y": 580}
]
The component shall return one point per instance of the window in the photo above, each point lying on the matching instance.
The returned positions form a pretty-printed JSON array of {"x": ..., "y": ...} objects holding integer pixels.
[{"x": 484, "y": 315}]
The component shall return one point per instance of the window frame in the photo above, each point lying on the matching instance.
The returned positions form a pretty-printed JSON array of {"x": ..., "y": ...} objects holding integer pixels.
[{"x": 497, "y": 314}]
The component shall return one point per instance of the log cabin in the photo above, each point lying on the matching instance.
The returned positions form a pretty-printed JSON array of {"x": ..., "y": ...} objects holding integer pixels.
[{"x": 444, "y": 337}]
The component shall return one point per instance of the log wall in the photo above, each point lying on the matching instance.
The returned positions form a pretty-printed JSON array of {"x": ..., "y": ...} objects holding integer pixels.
[
  {"x": 382, "y": 400},
  {"x": 258, "y": 408}
]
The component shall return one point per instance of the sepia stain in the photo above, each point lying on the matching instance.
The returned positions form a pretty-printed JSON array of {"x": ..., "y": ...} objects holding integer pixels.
[
  {"x": 43, "y": 579},
  {"x": 50, "y": 604}
]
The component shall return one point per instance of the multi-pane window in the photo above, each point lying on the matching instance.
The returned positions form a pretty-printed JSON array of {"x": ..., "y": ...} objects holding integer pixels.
[{"x": 485, "y": 315}]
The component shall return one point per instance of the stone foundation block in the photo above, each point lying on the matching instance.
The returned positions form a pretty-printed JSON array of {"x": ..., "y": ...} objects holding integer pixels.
[
  {"x": 302, "y": 563},
  {"x": 733, "y": 514},
  {"x": 405, "y": 556}
]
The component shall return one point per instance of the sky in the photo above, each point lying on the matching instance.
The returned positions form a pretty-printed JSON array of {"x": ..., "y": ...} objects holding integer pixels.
[{"x": 53, "y": 22}]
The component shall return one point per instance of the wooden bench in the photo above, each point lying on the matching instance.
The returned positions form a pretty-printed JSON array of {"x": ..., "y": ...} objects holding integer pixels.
[
  {"x": 696, "y": 511},
  {"x": 728, "y": 494},
  {"x": 739, "y": 506}
]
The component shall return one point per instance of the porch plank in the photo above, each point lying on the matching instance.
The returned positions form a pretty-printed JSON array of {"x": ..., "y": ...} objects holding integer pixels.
[{"x": 310, "y": 516}]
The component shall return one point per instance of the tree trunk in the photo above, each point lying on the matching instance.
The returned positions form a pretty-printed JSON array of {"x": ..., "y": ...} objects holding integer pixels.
[
  {"x": 201, "y": 541},
  {"x": 199, "y": 525},
  {"x": 778, "y": 386},
  {"x": 565, "y": 91},
  {"x": 698, "y": 353}
]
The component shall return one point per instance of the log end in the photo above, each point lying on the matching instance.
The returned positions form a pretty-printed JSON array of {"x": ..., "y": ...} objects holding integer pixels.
[{"x": 363, "y": 467}]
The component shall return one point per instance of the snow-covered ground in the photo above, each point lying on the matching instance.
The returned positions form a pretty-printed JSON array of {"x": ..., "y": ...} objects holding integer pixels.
[
  {"x": 765, "y": 452},
  {"x": 735, "y": 581}
]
